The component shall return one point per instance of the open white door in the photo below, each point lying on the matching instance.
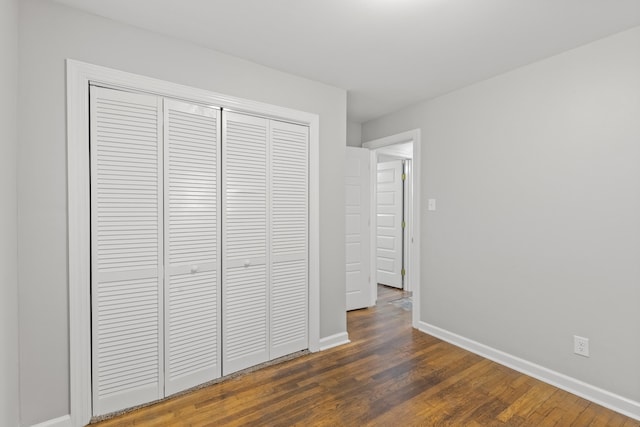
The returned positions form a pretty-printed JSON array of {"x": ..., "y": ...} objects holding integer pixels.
[
  {"x": 357, "y": 227},
  {"x": 389, "y": 224}
]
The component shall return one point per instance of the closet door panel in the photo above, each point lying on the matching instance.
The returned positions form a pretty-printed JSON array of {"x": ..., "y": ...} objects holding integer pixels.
[
  {"x": 245, "y": 331},
  {"x": 192, "y": 251},
  {"x": 289, "y": 238},
  {"x": 245, "y": 242},
  {"x": 126, "y": 244}
]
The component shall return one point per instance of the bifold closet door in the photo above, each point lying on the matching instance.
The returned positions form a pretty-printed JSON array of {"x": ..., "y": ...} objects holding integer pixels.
[
  {"x": 245, "y": 321},
  {"x": 154, "y": 208},
  {"x": 192, "y": 245},
  {"x": 126, "y": 246},
  {"x": 265, "y": 243},
  {"x": 289, "y": 259},
  {"x": 199, "y": 246}
]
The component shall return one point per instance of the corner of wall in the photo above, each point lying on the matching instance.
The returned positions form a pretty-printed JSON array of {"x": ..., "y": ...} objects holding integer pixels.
[
  {"x": 9, "y": 341},
  {"x": 354, "y": 134}
]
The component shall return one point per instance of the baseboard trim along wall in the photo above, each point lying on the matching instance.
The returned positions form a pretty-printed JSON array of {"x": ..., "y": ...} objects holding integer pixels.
[
  {"x": 597, "y": 395},
  {"x": 334, "y": 341},
  {"x": 64, "y": 421}
]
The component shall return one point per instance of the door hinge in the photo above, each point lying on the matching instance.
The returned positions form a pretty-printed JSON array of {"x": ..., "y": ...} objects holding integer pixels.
[
  {"x": 403, "y": 225},
  {"x": 404, "y": 176},
  {"x": 403, "y": 272}
]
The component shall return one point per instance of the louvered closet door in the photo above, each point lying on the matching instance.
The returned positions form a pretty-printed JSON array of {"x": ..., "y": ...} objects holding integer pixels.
[
  {"x": 126, "y": 245},
  {"x": 192, "y": 251},
  {"x": 289, "y": 241},
  {"x": 245, "y": 332}
]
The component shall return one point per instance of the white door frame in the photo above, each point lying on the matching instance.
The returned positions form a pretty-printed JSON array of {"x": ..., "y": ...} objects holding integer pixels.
[
  {"x": 413, "y": 257},
  {"x": 408, "y": 217},
  {"x": 79, "y": 75}
]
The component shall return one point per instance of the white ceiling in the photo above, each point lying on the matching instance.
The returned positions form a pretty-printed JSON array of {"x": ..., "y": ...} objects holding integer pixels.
[{"x": 387, "y": 53}]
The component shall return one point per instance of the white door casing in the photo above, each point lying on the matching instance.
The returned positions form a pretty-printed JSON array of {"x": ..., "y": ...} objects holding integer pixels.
[
  {"x": 192, "y": 245},
  {"x": 357, "y": 223},
  {"x": 408, "y": 219},
  {"x": 389, "y": 207}
]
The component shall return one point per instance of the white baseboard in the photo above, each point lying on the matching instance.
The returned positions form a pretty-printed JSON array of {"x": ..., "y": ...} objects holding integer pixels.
[
  {"x": 334, "y": 340},
  {"x": 595, "y": 394},
  {"x": 64, "y": 421}
]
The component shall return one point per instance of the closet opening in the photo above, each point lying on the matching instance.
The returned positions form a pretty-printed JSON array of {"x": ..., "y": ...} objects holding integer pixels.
[{"x": 148, "y": 201}]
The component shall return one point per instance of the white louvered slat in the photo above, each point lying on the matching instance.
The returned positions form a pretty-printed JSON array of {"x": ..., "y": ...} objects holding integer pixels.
[
  {"x": 126, "y": 203},
  {"x": 289, "y": 238},
  {"x": 245, "y": 219},
  {"x": 192, "y": 295}
]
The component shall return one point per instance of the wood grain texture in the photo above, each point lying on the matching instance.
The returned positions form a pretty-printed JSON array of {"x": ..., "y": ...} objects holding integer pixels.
[{"x": 389, "y": 375}]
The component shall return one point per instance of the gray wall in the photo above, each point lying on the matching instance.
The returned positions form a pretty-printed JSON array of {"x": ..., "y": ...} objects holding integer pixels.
[
  {"x": 49, "y": 33},
  {"x": 8, "y": 214},
  {"x": 354, "y": 134},
  {"x": 537, "y": 234}
]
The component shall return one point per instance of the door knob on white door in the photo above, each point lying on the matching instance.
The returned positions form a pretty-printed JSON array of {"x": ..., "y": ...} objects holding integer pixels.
[
  {"x": 194, "y": 268},
  {"x": 247, "y": 262}
]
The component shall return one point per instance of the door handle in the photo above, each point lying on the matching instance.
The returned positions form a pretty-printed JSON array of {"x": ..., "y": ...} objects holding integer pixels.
[
  {"x": 194, "y": 269},
  {"x": 247, "y": 262}
]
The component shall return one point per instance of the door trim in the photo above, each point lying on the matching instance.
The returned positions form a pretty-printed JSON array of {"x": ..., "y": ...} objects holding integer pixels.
[
  {"x": 79, "y": 75},
  {"x": 413, "y": 260}
]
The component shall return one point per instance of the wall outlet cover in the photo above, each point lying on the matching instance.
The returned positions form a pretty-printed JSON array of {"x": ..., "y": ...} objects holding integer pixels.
[{"x": 581, "y": 346}]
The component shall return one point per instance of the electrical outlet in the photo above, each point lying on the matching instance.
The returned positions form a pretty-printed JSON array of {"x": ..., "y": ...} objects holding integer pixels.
[{"x": 581, "y": 346}]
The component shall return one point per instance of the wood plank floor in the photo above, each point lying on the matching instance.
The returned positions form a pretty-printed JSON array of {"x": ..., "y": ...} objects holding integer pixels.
[{"x": 389, "y": 375}]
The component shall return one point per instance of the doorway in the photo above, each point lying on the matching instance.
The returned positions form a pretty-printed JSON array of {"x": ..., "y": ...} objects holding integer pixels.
[
  {"x": 392, "y": 211},
  {"x": 405, "y": 146}
]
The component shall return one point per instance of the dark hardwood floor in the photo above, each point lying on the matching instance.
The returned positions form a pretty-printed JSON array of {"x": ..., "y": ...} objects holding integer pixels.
[{"x": 389, "y": 375}]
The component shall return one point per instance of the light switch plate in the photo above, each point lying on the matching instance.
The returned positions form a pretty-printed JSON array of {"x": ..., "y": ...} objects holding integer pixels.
[{"x": 431, "y": 204}]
